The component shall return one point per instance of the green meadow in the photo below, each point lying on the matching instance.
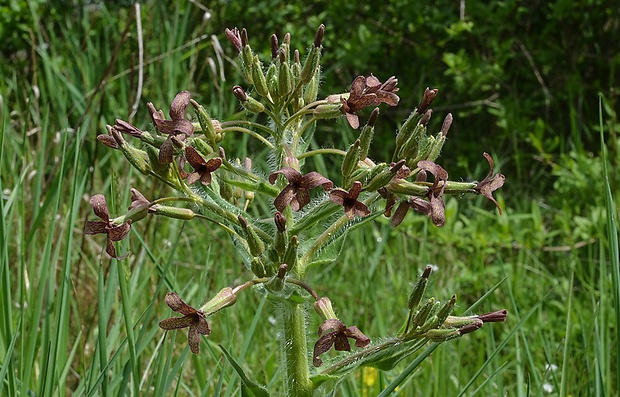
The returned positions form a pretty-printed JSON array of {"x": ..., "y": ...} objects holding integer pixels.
[{"x": 73, "y": 321}]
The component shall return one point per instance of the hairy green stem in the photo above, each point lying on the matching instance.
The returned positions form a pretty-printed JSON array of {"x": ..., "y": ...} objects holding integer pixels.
[{"x": 298, "y": 381}]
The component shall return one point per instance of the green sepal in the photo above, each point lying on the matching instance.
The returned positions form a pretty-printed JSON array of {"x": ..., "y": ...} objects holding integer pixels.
[{"x": 206, "y": 124}]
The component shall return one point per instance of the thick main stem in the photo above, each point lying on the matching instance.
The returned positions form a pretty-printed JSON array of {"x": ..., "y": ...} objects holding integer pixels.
[{"x": 295, "y": 351}]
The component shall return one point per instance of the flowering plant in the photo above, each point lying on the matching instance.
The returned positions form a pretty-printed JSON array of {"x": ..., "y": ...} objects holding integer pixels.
[{"x": 282, "y": 244}]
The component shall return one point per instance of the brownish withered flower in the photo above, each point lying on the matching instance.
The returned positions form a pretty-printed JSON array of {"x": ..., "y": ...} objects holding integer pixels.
[
  {"x": 490, "y": 183},
  {"x": 333, "y": 332},
  {"x": 193, "y": 319},
  {"x": 202, "y": 168},
  {"x": 435, "y": 206},
  {"x": 106, "y": 225},
  {"x": 349, "y": 201},
  {"x": 177, "y": 128},
  {"x": 296, "y": 193},
  {"x": 368, "y": 91}
]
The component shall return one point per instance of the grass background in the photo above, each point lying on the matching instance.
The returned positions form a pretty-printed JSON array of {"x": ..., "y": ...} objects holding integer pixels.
[{"x": 72, "y": 322}]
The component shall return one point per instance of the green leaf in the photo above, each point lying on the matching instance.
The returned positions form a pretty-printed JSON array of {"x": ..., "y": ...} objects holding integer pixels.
[{"x": 248, "y": 387}]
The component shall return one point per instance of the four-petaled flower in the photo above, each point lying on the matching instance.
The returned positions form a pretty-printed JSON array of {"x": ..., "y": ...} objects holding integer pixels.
[
  {"x": 192, "y": 318},
  {"x": 296, "y": 192},
  {"x": 106, "y": 225},
  {"x": 202, "y": 168},
  {"x": 349, "y": 201},
  {"x": 336, "y": 337},
  {"x": 368, "y": 91},
  {"x": 178, "y": 128},
  {"x": 491, "y": 183},
  {"x": 434, "y": 207}
]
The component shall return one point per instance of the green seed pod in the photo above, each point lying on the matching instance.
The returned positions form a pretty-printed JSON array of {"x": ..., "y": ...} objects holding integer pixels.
[
  {"x": 174, "y": 212},
  {"x": 400, "y": 186},
  {"x": 226, "y": 191}
]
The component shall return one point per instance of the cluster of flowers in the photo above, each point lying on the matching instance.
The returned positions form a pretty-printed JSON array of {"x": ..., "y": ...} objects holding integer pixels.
[{"x": 186, "y": 155}]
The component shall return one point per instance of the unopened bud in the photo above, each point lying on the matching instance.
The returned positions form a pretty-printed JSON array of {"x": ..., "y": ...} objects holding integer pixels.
[
  {"x": 260, "y": 83},
  {"x": 274, "y": 46},
  {"x": 418, "y": 290},
  {"x": 258, "y": 267},
  {"x": 138, "y": 158},
  {"x": 367, "y": 134},
  {"x": 225, "y": 298},
  {"x": 206, "y": 124},
  {"x": 384, "y": 177},
  {"x": 290, "y": 256},
  {"x": 427, "y": 99}
]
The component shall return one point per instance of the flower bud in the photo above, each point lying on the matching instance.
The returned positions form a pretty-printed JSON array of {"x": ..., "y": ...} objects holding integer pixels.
[
  {"x": 247, "y": 58},
  {"x": 290, "y": 256},
  {"x": 314, "y": 57},
  {"x": 225, "y": 298},
  {"x": 422, "y": 315},
  {"x": 418, "y": 290}
]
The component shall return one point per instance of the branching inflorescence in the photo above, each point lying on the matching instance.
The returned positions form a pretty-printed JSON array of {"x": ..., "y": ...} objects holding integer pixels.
[{"x": 186, "y": 154}]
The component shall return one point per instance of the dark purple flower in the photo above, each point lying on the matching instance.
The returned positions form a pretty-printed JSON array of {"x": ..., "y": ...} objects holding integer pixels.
[
  {"x": 333, "y": 332},
  {"x": 435, "y": 206},
  {"x": 178, "y": 127},
  {"x": 296, "y": 192},
  {"x": 368, "y": 91},
  {"x": 490, "y": 183},
  {"x": 106, "y": 226},
  {"x": 192, "y": 318},
  {"x": 349, "y": 201},
  {"x": 202, "y": 168}
]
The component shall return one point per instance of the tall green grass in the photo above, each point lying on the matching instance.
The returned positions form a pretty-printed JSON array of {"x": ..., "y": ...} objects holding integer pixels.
[{"x": 73, "y": 322}]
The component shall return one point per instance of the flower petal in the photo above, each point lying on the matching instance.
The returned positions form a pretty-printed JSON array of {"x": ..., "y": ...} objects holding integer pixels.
[
  {"x": 314, "y": 179},
  {"x": 174, "y": 302},
  {"x": 400, "y": 213},
  {"x": 193, "y": 339},
  {"x": 342, "y": 343},
  {"x": 284, "y": 198},
  {"x": 175, "y": 323},
  {"x": 338, "y": 195},
  {"x": 361, "y": 209},
  {"x": 100, "y": 207},
  {"x": 194, "y": 158},
  {"x": 179, "y": 103},
  {"x": 165, "y": 152},
  {"x": 361, "y": 340},
  {"x": 291, "y": 174},
  {"x": 117, "y": 233},
  {"x": 95, "y": 227}
]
